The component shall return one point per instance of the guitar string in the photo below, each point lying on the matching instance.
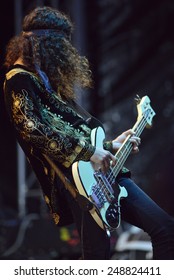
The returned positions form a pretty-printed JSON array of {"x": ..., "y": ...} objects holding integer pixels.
[
  {"x": 125, "y": 152},
  {"x": 127, "y": 149}
]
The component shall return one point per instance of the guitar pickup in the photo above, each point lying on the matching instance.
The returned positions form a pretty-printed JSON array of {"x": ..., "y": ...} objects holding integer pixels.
[{"x": 97, "y": 197}]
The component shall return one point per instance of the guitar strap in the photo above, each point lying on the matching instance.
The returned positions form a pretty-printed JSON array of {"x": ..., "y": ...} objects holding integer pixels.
[{"x": 87, "y": 117}]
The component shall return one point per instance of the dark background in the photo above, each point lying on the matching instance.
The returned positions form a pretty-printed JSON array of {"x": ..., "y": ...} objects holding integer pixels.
[{"x": 130, "y": 46}]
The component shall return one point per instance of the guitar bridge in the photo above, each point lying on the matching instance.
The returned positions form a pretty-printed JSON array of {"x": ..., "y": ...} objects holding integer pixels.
[{"x": 101, "y": 192}]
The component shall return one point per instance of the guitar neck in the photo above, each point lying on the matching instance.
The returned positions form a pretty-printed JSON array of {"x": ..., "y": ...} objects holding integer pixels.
[{"x": 126, "y": 148}]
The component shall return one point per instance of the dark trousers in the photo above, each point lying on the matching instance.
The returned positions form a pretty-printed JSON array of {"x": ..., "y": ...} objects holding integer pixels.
[{"x": 137, "y": 209}]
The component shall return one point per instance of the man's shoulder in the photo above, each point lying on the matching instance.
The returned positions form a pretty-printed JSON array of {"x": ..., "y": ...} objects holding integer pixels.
[{"x": 18, "y": 71}]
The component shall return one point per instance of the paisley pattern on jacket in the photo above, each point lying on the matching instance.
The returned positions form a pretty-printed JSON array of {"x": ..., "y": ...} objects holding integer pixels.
[{"x": 46, "y": 124}]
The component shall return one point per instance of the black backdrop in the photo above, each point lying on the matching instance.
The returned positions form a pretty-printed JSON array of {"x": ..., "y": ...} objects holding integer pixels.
[{"x": 130, "y": 46}]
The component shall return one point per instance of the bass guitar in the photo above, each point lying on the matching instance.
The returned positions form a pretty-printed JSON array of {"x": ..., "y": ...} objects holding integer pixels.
[{"x": 102, "y": 189}]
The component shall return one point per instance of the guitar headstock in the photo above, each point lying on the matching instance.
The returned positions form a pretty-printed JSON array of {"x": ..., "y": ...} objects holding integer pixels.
[{"x": 145, "y": 110}]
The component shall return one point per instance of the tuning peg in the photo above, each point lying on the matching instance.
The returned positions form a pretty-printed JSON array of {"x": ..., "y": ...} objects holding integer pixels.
[{"x": 137, "y": 99}]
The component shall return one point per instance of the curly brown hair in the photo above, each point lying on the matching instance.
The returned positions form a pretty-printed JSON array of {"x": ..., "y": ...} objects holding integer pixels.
[{"x": 52, "y": 52}]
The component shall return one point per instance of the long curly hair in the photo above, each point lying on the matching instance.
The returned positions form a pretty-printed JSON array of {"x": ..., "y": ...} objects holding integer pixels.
[{"x": 52, "y": 52}]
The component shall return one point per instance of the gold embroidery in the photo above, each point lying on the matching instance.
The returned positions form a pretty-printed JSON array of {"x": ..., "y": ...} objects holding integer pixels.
[
  {"x": 47, "y": 199},
  {"x": 56, "y": 218},
  {"x": 46, "y": 170}
]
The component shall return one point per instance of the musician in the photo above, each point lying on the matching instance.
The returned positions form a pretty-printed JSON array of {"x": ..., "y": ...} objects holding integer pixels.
[{"x": 54, "y": 131}]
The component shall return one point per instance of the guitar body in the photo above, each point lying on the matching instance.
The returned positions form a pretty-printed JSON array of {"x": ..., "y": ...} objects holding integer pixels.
[{"x": 90, "y": 183}]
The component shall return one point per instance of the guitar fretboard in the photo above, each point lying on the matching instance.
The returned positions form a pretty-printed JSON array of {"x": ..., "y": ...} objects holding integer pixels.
[{"x": 126, "y": 148}]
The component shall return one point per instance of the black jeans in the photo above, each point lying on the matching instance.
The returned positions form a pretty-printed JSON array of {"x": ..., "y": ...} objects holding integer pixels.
[{"x": 137, "y": 209}]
